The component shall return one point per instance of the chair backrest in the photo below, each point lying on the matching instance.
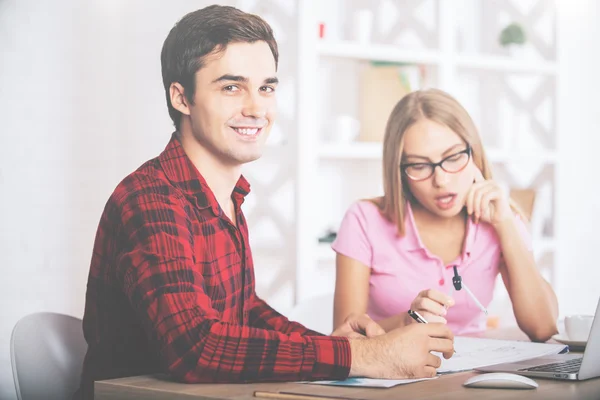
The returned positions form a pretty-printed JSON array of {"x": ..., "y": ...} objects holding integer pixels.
[
  {"x": 47, "y": 352},
  {"x": 315, "y": 313},
  {"x": 525, "y": 198}
]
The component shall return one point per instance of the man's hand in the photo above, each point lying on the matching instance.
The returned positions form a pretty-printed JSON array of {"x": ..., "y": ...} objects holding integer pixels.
[
  {"x": 402, "y": 353},
  {"x": 358, "y": 326}
]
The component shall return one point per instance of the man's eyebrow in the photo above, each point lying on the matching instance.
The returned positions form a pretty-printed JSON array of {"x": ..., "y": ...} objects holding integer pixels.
[
  {"x": 243, "y": 79},
  {"x": 229, "y": 77},
  {"x": 450, "y": 149}
]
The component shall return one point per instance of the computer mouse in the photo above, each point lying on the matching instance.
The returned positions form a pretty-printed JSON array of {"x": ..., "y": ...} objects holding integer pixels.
[{"x": 500, "y": 380}]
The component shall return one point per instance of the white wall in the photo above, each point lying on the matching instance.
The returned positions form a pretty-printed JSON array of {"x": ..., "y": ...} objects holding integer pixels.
[
  {"x": 81, "y": 105},
  {"x": 579, "y": 127}
]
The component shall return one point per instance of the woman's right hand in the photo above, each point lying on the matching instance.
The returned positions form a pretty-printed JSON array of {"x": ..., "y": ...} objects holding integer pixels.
[{"x": 432, "y": 305}]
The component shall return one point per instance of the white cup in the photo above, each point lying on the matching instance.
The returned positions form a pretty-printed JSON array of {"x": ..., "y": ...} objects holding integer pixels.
[
  {"x": 362, "y": 25},
  {"x": 346, "y": 129},
  {"x": 578, "y": 327}
]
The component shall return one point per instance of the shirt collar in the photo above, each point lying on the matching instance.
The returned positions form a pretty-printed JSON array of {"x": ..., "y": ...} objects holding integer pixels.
[
  {"x": 180, "y": 170},
  {"x": 412, "y": 241},
  {"x": 472, "y": 229}
]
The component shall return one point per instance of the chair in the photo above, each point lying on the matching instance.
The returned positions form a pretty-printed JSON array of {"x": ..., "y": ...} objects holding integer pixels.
[
  {"x": 315, "y": 313},
  {"x": 46, "y": 352},
  {"x": 525, "y": 199}
]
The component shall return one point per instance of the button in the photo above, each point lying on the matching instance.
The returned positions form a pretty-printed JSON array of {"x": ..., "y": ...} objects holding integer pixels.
[{"x": 441, "y": 282}]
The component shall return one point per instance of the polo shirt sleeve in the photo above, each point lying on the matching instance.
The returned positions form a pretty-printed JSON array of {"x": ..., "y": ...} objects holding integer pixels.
[{"x": 352, "y": 238}]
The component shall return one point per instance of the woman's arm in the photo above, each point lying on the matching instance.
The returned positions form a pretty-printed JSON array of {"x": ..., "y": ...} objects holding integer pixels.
[
  {"x": 352, "y": 293},
  {"x": 534, "y": 302}
]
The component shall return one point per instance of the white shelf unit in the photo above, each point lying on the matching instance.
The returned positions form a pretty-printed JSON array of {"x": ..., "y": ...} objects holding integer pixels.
[
  {"x": 377, "y": 52},
  {"x": 314, "y": 152},
  {"x": 388, "y": 53},
  {"x": 496, "y": 63}
]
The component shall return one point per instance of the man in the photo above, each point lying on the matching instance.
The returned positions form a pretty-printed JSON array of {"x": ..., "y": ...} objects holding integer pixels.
[{"x": 171, "y": 284}]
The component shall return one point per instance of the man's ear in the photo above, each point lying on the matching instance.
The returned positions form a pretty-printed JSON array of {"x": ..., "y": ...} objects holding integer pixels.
[{"x": 178, "y": 99}]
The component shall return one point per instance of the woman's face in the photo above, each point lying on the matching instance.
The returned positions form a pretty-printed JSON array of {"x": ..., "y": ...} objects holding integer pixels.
[{"x": 442, "y": 193}]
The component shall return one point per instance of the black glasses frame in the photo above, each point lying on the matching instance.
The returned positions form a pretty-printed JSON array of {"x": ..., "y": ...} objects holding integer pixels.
[{"x": 468, "y": 151}]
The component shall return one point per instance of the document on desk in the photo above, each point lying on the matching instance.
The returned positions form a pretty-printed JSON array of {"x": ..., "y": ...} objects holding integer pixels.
[
  {"x": 471, "y": 353},
  {"x": 368, "y": 382},
  {"x": 474, "y": 353}
]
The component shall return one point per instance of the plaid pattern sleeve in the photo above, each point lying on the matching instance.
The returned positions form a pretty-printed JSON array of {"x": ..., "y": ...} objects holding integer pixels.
[
  {"x": 263, "y": 316},
  {"x": 171, "y": 289},
  {"x": 170, "y": 297}
]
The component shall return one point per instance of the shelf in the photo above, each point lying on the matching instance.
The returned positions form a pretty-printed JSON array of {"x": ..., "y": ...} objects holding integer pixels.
[
  {"x": 500, "y": 156},
  {"x": 505, "y": 64},
  {"x": 377, "y": 52},
  {"x": 373, "y": 151},
  {"x": 354, "y": 150},
  {"x": 390, "y": 53}
]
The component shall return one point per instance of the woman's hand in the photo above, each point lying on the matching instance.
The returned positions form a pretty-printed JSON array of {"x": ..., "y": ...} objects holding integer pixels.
[
  {"x": 487, "y": 202},
  {"x": 432, "y": 306}
]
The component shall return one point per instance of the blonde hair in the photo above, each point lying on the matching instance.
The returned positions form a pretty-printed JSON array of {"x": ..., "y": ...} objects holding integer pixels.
[{"x": 434, "y": 105}]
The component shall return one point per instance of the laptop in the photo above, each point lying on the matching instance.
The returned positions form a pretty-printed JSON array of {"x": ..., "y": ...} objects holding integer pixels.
[{"x": 573, "y": 367}]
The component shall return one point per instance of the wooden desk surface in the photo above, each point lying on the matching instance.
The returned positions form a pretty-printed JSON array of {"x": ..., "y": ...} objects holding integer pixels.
[{"x": 447, "y": 387}]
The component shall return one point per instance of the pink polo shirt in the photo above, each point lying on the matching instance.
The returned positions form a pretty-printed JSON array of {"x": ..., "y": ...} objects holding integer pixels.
[{"x": 401, "y": 267}]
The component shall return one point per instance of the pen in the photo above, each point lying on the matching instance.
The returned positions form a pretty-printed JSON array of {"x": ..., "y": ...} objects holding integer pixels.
[
  {"x": 297, "y": 396},
  {"x": 419, "y": 318},
  {"x": 481, "y": 307},
  {"x": 459, "y": 284}
]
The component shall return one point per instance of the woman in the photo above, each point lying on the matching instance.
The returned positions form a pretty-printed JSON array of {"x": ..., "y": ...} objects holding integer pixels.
[{"x": 440, "y": 210}]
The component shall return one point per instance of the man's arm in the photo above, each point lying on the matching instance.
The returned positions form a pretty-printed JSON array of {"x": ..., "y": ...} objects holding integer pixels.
[
  {"x": 169, "y": 297},
  {"x": 264, "y": 316}
]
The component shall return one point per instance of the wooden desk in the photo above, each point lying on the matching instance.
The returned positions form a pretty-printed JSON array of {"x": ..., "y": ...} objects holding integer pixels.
[{"x": 447, "y": 387}]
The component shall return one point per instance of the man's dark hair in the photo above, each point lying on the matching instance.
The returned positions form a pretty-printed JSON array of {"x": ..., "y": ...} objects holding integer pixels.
[{"x": 201, "y": 33}]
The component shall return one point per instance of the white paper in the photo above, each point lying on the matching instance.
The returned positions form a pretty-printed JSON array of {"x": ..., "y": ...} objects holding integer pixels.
[
  {"x": 368, "y": 382},
  {"x": 474, "y": 353},
  {"x": 471, "y": 353}
]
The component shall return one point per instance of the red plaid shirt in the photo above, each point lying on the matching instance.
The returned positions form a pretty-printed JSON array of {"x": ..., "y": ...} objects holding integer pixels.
[{"x": 171, "y": 289}]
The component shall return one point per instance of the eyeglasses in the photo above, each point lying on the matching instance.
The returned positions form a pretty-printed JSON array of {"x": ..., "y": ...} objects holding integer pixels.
[{"x": 451, "y": 164}]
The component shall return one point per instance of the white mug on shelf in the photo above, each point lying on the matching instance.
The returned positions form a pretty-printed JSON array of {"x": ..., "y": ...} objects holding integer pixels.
[
  {"x": 578, "y": 327},
  {"x": 345, "y": 129},
  {"x": 362, "y": 25}
]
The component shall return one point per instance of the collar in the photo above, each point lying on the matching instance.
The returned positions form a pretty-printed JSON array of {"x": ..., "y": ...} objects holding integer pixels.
[
  {"x": 470, "y": 235},
  {"x": 182, "y": 173},
  {"x": 412, "y": 241}
]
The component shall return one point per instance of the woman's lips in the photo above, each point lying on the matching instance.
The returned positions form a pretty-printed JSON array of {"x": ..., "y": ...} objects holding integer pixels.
[{"x": 445, "y": 201}]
